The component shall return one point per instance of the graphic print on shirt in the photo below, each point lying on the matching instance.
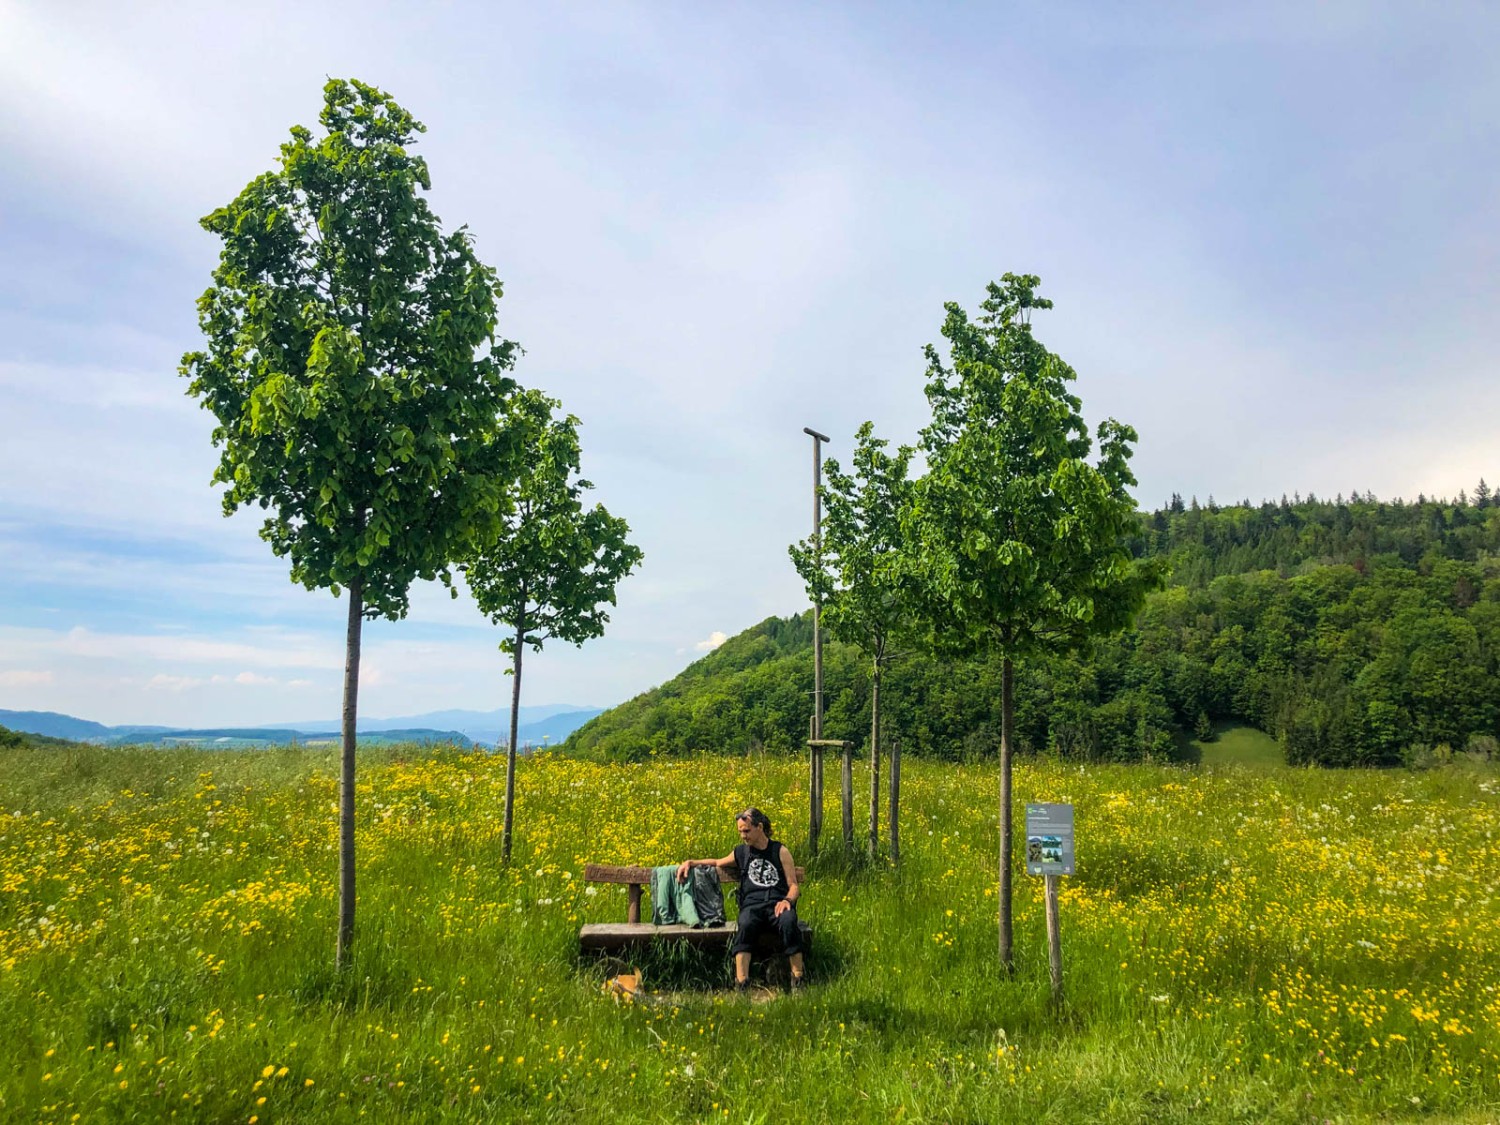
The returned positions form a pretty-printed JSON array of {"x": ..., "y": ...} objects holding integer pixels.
[{"x": 762, "y": 872}]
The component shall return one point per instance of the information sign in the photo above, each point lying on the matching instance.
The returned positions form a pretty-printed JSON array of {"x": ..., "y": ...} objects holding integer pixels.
[{"x": 1049, "y": 839}]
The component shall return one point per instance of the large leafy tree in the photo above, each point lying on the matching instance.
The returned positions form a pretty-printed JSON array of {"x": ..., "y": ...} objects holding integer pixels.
[
  {"x": 360, "y": 390},
  {"x": 552, "y": 566},
  {"x": 859, "y": 573},
  {"x": 1020, "y": 540}
]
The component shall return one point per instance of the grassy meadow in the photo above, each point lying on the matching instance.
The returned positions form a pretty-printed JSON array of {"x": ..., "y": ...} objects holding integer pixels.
[
  {"x": 1234, "y": 744},
  {"x": 1240, "y": 945}
]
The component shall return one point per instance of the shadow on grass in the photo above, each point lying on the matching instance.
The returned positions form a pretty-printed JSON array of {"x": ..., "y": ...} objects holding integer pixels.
[
  {"x": 369, "y": 981},
  {"x": 127, "y": 1000},
  {"x": 680, "y": 967}
]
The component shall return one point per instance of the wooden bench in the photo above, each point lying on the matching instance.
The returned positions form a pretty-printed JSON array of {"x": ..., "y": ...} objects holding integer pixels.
[{"x": 617, "y": 935}]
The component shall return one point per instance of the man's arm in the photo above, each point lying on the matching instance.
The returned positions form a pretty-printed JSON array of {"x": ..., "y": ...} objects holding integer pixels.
[
  {"x": 793, "y": 888},
  {"x": 688, "y": 864}
]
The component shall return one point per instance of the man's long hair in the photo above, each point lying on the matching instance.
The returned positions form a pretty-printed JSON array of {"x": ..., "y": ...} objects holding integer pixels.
[{"x": 756, "y": 817}]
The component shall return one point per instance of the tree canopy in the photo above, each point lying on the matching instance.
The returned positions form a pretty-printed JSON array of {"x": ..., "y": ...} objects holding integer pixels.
[
  {"x": 352, "y": 361},
  {"x": 1023, "y": 544}
]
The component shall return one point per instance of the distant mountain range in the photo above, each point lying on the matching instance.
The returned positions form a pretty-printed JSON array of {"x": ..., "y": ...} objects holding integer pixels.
[{"x": 546, "y": 723}]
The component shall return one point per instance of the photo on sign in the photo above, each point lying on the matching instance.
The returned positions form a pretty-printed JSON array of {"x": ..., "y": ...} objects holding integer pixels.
[{"x": 1044, "y": 849}]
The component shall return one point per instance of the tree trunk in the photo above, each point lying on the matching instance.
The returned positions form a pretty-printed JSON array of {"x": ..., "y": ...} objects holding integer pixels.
[
  {"x": 875, "y": 759},
  {"x": 510, "y": 753},
  {"x": 896, "y": 801},
  {"x": 346, "y": 774},
  {"x": 1007, "y": 722}
]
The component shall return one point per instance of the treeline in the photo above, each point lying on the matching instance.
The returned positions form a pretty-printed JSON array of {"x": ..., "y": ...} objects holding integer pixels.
[
  {"x": 1203, "y": 543},
  {"x": 15, "y": 739},
  {"x": 1356, "y": 633}
]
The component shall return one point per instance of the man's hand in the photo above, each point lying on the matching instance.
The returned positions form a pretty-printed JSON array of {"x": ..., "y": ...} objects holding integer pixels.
[
  {"x": 782, "y": 907},
  {"x": 682, "y": 870}
]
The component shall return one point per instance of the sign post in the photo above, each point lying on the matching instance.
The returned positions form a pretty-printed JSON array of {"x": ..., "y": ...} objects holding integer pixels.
[{"x": 1049, "y": 853}]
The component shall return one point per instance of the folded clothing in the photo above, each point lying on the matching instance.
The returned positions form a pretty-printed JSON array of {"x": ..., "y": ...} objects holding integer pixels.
[{"x": 697, "y": 902}]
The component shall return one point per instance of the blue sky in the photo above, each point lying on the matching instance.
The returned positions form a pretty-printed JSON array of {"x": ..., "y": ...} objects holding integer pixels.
[{"x": 1270, "y": 230}]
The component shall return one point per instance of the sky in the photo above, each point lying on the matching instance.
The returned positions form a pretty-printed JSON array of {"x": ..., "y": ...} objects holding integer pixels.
[{"x": 1270, "y": 231}]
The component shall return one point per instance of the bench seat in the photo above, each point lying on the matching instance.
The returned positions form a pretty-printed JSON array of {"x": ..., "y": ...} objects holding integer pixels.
[{"x": 618, "y": 935}]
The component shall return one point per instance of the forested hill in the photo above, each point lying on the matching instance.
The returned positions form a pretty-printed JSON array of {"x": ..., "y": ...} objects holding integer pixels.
[
  {"x": 1356, "y": 633},
  {"x": 1203, "y": 543}
]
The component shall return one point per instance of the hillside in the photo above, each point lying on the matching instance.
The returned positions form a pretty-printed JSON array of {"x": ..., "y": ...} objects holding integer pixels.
[
  {"x": 1358, "y": 633},
  {"x": 16, "y": 739},
  {"x": 538, "y": 725}
]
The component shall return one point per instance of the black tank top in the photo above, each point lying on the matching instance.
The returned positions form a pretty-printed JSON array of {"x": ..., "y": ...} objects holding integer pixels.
[{"x": 762, "y": 879}]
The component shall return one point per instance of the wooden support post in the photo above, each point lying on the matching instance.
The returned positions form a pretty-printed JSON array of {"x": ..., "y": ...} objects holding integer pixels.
[
  {"x": 895, "y": 801},
  {"x": 634, "y": 913},
  {"x": 1054, "y": 938},
  {"x": 846, "y": 794},
  {"x": 822, "y": 812},
  {"x": 813, "y": 801}
]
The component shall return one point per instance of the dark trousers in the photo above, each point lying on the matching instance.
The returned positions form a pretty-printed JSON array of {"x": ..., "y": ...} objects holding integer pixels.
[{"x": 761, "y": 918}]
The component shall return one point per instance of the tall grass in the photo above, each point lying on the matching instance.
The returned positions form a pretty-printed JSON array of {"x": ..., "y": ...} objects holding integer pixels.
[{"x": 1239, "y": 946}]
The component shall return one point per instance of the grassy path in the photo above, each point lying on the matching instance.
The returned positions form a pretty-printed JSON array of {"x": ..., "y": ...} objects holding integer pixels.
[{"x": 1240, "y": 946}]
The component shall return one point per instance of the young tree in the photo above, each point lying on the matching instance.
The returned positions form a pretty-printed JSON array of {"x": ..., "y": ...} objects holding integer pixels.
[
  {"x": 1019, "y": 540},
  {"x": 551, "y": 568},
  {"x": 858, "y": 575},
  {"x": 358, "y": 384}
]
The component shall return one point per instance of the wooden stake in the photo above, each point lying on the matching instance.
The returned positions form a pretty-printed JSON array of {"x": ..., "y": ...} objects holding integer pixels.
[
  {"x": 818, "y": 765},
  {"x": 813, "y": 801},
  {"x": 1054, "y": 938},
  {"x": 846, "y": 793}
]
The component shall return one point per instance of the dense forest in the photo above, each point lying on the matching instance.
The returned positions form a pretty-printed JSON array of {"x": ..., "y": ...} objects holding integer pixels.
[{"x": 1356, "y": 632}]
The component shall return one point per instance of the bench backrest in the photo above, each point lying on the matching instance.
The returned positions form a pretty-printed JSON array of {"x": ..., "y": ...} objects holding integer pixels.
[{"x": 604, "y": 873}]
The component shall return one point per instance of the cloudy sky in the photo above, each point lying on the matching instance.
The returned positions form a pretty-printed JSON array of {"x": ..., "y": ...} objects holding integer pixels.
[{"x": 1270, "y": 230}]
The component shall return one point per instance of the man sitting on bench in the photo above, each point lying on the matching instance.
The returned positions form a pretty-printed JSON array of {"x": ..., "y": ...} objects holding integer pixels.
[{"x": 768, "y": 894}]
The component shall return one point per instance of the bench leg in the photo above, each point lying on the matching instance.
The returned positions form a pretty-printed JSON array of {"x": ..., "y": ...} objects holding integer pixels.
[{"x": 635, "y": 903}]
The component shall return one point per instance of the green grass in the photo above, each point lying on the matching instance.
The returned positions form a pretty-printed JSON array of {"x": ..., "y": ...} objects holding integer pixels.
[
  {"x": 1234, "y": 745},
  {"x": 1239, "y": 946}
]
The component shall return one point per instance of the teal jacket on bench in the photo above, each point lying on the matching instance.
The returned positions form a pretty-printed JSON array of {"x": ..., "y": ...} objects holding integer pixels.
[{"x": 697, "y": 902}]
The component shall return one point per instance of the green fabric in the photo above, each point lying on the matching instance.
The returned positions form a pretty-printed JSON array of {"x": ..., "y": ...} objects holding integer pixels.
[
  {"x": 696, "y": 902},
  {"x": 671, "y": 901}
]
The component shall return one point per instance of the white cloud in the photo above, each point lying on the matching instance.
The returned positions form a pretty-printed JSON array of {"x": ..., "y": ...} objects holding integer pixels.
[
  {"x": 22, "y": 677},
  {"x": 163, "y": 682},
  {"x": 292, "y": 652},
  {"x": 251, "y": 679},
  {"x": 757, "y": 215}
]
